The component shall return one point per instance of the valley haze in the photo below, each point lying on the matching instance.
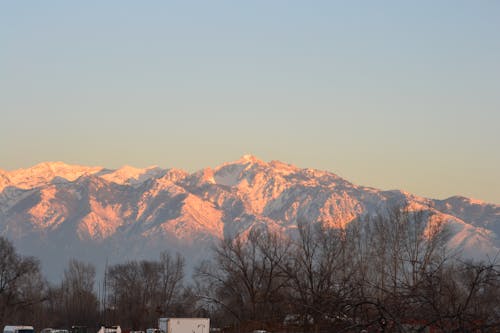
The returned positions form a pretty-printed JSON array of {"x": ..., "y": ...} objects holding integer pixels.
[{"x": 55, "y": 211}]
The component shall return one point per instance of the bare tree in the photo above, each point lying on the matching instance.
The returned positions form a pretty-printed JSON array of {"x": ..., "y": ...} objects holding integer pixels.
[
  {"x": 21, "y": 284},
  {"x": 127, "y": 294},
  {"x": 78, "y": 294},
  {"x": 171, "y": 276},
  {"x": 245, "y": 279},
  {"x": 141, "y": 291},
  {"x": 465, "y": 297},
  {"x": 323, "y": 277},
  {"x": 406, "y": 249}
]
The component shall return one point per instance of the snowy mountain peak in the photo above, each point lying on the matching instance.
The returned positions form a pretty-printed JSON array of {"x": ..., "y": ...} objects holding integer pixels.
[
  {"x": 461, "y": 199},
  {"x": 249, "y": 159},
  {"x": 45, "y": 172},
  {"x": 231, "y": 173},
  {"x": 174, "y": 175},
  {"x": 283, "y": 167},
  {"x": 133, "y": 176},
  {"x": 55, "y": 168}
]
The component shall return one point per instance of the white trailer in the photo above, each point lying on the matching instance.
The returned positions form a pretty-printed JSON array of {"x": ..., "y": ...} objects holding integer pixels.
[{"x": 184, "y": 325}]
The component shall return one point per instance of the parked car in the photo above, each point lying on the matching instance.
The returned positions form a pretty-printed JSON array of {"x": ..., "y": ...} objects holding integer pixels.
[
  {"x": 153, "y": 330},
  {"x": 110, "y": 329},
  {"x": 54, "y": 330},
  {"x": 18, "y": 329}
]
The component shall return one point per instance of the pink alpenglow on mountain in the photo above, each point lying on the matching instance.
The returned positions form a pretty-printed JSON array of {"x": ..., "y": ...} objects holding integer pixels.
[{"x": 57, "y": 211}]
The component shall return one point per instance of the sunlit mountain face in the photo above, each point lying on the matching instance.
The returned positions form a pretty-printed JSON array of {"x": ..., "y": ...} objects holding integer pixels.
[{"x": 56, "y": 211}]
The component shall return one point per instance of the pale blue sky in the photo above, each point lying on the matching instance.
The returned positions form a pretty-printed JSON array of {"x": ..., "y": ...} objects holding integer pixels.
[{"x": 390, "y": 94}]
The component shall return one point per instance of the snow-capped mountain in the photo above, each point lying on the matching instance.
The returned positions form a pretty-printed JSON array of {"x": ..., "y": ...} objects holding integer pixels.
[{"x": 57, "y": 211}]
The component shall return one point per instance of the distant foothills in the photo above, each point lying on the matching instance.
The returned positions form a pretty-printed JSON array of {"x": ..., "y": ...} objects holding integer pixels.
[{"x": 57, "y": 211}]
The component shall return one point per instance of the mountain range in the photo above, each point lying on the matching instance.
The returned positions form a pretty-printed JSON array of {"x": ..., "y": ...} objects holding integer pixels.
[{"x": 56, "y": 211}]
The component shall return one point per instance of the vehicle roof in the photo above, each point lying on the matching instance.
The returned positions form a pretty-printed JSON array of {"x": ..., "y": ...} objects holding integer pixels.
[{"x": 17, "y": 327}]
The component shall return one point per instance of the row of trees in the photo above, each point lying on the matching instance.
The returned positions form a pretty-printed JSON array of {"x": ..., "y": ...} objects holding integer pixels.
[
  {"x": 390, "y": 272},
  {"x": 134, "y": 294}
]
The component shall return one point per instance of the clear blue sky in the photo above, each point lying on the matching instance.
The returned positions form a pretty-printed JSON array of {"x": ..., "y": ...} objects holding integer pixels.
[{"x": 390, "y": 94}]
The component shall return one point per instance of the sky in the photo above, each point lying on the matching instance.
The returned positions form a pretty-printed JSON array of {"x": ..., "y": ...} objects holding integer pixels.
[{"x": 389, "y": 94}]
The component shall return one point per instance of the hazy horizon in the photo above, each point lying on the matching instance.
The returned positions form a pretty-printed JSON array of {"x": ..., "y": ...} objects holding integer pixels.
[{"x": 389, "y": 95}]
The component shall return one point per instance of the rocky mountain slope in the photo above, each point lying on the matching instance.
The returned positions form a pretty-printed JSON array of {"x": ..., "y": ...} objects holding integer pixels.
[{"x": 57, "y": 211}]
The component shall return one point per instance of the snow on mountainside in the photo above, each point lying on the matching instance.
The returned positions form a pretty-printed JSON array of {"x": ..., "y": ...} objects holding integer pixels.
[
  {"x": 476, "y": 212},
  {"x": 132, "y": 176},
  {"x": 57, "y": 211},
  {"x": 44, "y": 173}
]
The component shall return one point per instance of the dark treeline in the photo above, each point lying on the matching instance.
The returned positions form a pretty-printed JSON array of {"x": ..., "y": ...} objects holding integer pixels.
[{"x": 387, "y": 273}]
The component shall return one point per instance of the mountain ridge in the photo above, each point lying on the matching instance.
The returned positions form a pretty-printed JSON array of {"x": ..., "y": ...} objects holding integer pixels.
[{"x": 94, "y": 212}]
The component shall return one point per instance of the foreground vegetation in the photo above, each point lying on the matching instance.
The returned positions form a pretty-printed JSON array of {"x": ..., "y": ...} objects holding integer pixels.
[{"x": 386, "y": 273}]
